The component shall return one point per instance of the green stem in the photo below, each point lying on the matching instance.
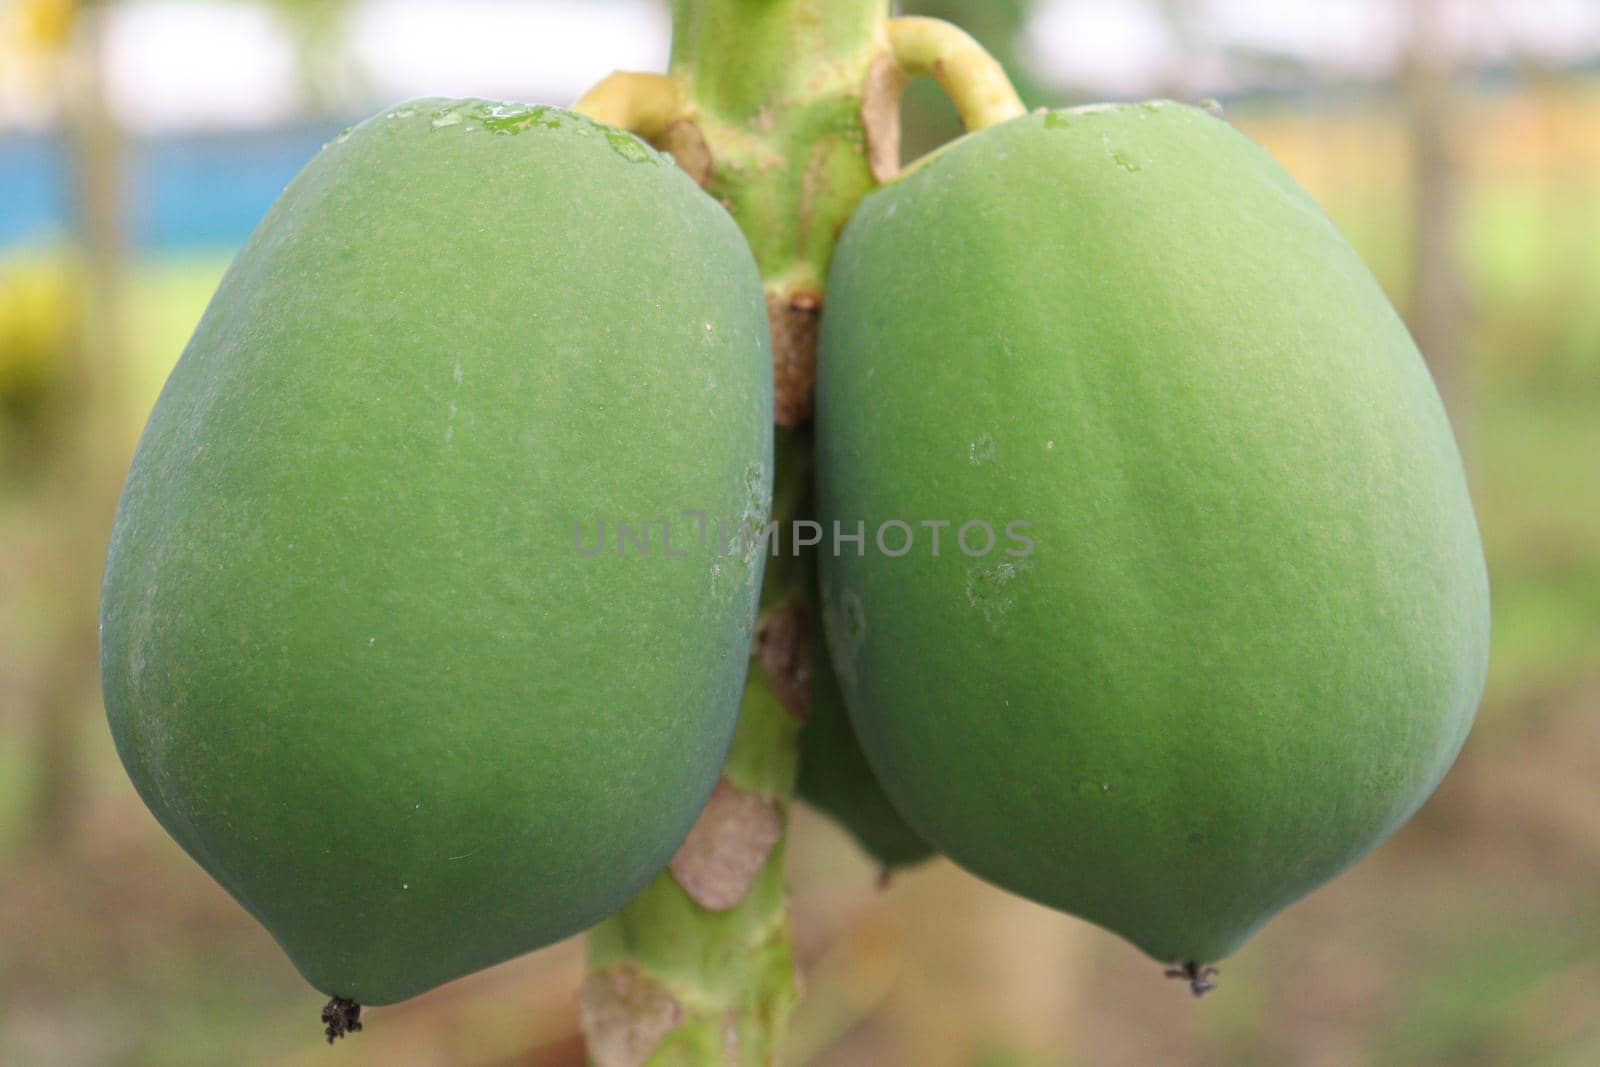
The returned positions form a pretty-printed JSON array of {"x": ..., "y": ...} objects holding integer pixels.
[
  {"x": 774, "y": 90},
  {"x": 786, "y": 111},
  {"x": 739, "y": 56},
  {"x": 768, "y": 115}
]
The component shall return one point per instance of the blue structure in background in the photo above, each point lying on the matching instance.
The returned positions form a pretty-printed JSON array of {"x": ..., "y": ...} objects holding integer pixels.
[
  {"x": 191, "y": 192},
  {"x": 32, "y": 189}
]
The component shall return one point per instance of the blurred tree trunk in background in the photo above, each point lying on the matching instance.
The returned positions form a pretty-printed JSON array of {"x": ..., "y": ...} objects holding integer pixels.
[
  {"x": 1437, "y": 302},
  {"x": 87, "y": 440},
  {"x": 321, "y": 31}
]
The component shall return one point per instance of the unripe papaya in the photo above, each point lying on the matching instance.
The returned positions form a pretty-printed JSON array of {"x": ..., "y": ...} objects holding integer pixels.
[
  {"x": 835, "y": 777},
  {"x": 1242, "y": 627},
  {"x": 373, "y": 648}
]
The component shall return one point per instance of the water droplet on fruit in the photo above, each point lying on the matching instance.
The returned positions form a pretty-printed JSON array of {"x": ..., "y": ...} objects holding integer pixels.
[
  {"x": 514, "y": 118},
  {"x": 855, "y": 617},
  {"x": 982, "y": 450},
  {"x": 747, "y": 537},
  {"x": 986, "y": 588},
  {"x": 755, "y": 474},
  {"x": 1121, "y": 156},
  {"x": 630, "y": 147},
  {"x": 447, "y": 117}
]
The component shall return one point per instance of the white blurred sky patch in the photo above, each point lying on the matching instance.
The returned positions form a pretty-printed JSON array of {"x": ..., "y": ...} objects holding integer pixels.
[
  {"x": 169, "y": 63},
  {"x": 1128, "y": 47},
  {"x": 181, "y": 64},
  {"x": 1119, "y": 46},
  {"x": 548, "y": 52}
]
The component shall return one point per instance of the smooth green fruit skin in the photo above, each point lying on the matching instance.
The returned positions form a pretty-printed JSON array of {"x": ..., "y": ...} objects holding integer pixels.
[
  {"x": 1253, "y": 631},
  {"x": 352, "y": 657},
  {"x": 836, "y": 779}
]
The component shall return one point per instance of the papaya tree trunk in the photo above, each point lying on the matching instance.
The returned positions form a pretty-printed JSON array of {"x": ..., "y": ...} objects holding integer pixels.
[
  {"x": 85, "y": 438},
  {"x": 1438, "y": 304},
  {"x": 771, "y": 101}
]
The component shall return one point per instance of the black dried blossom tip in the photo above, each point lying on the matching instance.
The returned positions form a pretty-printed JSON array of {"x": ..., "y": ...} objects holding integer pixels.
[
  {"x": 1198, "y": 975},
  {"x": 342, "y": 1017}
]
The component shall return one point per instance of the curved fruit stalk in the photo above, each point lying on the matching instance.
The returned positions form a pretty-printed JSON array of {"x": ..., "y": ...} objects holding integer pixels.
[
  {"x": 1210, "y": 616},
  {"x": 381, "y": 645}
]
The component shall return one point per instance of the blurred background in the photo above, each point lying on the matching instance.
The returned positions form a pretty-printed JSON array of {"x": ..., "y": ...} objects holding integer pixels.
[{"x": 1456, "y": 142}]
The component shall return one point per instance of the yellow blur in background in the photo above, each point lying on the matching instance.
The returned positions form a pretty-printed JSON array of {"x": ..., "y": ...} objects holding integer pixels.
[{"x": 1471, "y": 186}]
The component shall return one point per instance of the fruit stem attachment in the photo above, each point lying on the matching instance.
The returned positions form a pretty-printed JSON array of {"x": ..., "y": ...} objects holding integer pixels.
[
  {"x": 645, "y": 104},
  {"x": 973, "y": 79}
]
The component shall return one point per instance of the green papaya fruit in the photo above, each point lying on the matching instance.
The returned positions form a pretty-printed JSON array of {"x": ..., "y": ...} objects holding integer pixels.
[
  {"x": 374, "y": 649},
  {"x": 1209, "y": 619},
  {"x": 836, "y": 779}
]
